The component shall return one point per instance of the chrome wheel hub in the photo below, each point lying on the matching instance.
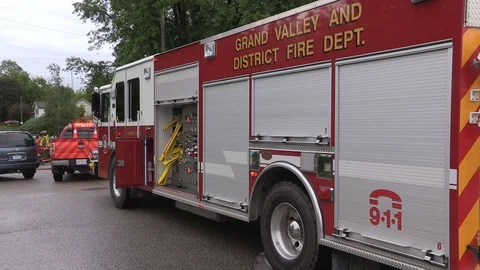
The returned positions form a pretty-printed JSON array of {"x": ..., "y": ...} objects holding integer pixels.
[
  {"x": 287, "y": 231},
  {"x": 294, "y": 230}
]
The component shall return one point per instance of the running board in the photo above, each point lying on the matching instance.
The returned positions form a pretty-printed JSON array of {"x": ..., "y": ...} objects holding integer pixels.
[
  {"x": 201, "y": 212},
  {"x": 193, "y": 201},
  {"x": 376, "y": 255}
]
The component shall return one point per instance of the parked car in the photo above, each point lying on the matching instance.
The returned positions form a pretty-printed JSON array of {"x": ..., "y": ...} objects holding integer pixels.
[
  {"x": 18, "y": 153},
  {"x": 11, "y": 123}
]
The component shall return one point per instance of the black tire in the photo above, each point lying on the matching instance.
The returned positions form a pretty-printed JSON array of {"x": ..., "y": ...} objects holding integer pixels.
[
  {"x": 122, "y": 200},
  {"x": 29, "y": 174},
  {"x": 58, "y": 177},
  {"x": 287, "y": 192}
]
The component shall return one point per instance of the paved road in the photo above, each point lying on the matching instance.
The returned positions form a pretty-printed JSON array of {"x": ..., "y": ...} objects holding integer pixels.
[{"x": 74, "y": 225}]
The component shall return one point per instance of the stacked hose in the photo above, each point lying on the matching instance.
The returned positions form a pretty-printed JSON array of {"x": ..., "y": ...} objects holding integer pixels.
[{"x": 170, "y": 153}]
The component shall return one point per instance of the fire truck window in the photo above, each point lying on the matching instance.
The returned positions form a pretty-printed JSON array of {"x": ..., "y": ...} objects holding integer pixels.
[
  {"x": 134, "y": 98},
  {"x": 85, "y": 133},
  {"x": 105, "y": 107},
  {"x": 68, "y": 133},
  {"x": 120, "y": 106}
]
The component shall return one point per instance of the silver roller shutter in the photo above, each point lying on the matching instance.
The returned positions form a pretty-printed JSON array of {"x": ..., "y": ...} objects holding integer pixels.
[
  {"x": 392, "y": 148},
  {"x": 179, "y": 83},
  {"x": 293, "y": 103}
]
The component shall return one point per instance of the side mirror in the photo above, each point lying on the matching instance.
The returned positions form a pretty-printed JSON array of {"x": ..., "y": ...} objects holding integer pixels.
[{"x": 96, "y": 106}]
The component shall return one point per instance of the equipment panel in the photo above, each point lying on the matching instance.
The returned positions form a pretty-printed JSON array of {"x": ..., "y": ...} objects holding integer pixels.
[
  {"x": 180, "y": 154},
  {"x": 184, "y": 174}
]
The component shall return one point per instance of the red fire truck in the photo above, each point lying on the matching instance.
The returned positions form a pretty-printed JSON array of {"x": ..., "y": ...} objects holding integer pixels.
[{"x": 344, "y": 127}]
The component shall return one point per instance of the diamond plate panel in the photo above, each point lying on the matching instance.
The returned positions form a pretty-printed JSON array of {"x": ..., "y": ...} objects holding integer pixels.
[
  {"x": 383, "y": 257},
  {"x": 472, "y": 16},
  {"x": 312, "y": 148}
]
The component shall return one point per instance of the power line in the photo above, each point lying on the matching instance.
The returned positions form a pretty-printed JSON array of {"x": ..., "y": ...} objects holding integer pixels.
[{"x": 42, "y": 27}]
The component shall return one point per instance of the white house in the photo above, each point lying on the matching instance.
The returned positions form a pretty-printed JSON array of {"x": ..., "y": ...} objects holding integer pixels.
[
  {"x": 87, "y": 106},
  {"x": 38, "y": 109}
]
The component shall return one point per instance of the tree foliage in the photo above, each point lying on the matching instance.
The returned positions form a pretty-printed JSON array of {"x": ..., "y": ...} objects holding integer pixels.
[
  {"x": 7, "y": 67},
  {"x": 60, "y": 102},
  {"x": 34, "y": 87},
  {"x": 133, "y": 28},
  {"x": 95, "y": 74},
  {"x": 16, "y": 86},
  {"x": 10, "y": 93},
  {"x": 36, "y": 125},
  {"x": 56, "y": 78},
  {"x": 20, "y": 112}
]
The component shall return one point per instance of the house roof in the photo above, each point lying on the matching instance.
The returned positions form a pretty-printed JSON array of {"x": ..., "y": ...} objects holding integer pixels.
[
  {"x": 83, "y": 100},
  {"x": 39, "y": 104}
]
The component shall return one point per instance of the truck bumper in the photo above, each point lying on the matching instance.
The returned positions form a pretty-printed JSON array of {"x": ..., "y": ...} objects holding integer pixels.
[{"x": 73, "y": 164}]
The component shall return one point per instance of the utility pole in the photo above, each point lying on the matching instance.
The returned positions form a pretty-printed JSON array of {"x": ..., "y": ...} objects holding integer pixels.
[
  {"x": 163, "y": 45},
  {"x": 71, "y": 74},
  {"x": 21, "y": 110}
]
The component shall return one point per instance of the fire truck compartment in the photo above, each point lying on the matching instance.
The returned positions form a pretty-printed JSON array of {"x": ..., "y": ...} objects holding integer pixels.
[
  {"x": 176, "y": 120},
  {"x": 180, "y": 163},
  {"x": 392, "y": 150},
  {"x": 177, "y": 84},
  {"x": 286, "y": 103},
  {"x": 130, "y": 161},
  {"x": 226, "y": 140}
]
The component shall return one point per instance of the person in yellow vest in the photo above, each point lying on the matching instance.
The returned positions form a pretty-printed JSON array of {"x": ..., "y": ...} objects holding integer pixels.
[{"x": 45, "y": 146}]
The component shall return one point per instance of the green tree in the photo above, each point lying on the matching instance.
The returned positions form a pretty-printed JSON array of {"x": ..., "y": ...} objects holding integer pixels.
[
  {"x": 34, "y": 87},
  {"x": 60, "y": 107},
  {"x": 133, "y": 28},
  {"x": 56, "y": 78},
  {"x": 10, "y": 93},
  {"x": 20, "y": 112},
  {"x": 8, "y": 66},
  {"x": 95, "y": 74}
]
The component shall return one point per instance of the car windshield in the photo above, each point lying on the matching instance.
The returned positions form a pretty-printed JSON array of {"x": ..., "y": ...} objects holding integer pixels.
[
  {"x": 14, "y": 139},
  {"x": 85, "y": 133}
]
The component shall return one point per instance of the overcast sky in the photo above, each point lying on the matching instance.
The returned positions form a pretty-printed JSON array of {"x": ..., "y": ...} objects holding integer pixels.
[{"x": 33, "y": 48}]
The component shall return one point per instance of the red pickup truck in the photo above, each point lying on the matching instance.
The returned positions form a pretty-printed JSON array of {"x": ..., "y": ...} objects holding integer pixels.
[{"x": 74, "y": 149}]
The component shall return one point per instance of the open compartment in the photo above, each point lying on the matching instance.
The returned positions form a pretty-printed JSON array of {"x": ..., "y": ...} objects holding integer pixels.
[
  {"x": 177, "y": 146},
  {"x": 176, "y": 121}
]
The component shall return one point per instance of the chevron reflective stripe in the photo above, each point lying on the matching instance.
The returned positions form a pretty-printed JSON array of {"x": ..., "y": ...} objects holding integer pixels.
[{"x": 468, "y": 203}]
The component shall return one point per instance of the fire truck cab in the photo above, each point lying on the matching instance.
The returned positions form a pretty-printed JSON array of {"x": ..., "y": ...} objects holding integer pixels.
[{"x": 345, "y": 127}]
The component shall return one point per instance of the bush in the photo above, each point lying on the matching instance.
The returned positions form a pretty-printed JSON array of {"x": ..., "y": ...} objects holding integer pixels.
[{"x": 36, "y": 125}]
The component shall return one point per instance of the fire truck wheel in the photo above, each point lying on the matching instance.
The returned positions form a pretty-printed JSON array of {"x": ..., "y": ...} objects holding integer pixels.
[
  {"x": 288, "y": 228},
  {"x": 121, "y": 196}
]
